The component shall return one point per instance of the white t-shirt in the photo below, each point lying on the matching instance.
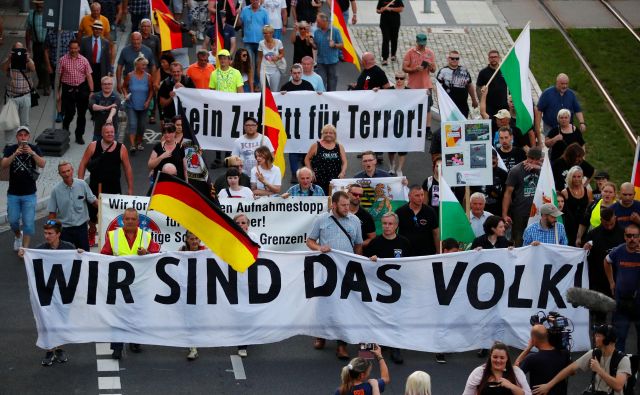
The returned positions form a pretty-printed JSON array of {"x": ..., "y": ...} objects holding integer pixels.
[
  {"x": 244, "y": 192},
  {"x": 274, "y": 9},
  {"x": 270, "y": 53},
  {"x": 623, "y": 367},
  {"x": 245, "y": 147},
  {"x": 272, "y": 176}
]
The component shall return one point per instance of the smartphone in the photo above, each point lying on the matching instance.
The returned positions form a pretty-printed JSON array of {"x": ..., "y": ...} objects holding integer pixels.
[
  {"x": 425, "y": 64},
  {"x": 365, "y": 350},
  {"x": 24, "y": 143}
]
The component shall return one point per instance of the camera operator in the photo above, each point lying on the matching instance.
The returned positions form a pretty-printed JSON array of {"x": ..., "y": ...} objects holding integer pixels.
[
  {"x": 18, "y": 66},
  {"x": 610, "y": 367},
  {"x": 545, "y": 364}
]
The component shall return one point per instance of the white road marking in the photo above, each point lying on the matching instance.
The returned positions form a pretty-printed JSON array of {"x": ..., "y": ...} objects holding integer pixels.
[
  {"x": 109, "y": 383},
  {"x": 108, "y": 365},
  {"x": 238, "y": 367},
  {"x": 103, "y": 349}
]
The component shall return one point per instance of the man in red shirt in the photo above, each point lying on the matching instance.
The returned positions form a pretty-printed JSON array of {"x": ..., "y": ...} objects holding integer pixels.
[
  {"x": 419, "y": 62},
  {"x": 126, "y": 241}
]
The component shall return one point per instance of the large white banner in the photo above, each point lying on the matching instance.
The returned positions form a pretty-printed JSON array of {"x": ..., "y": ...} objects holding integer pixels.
[
  {"x": 383, "y": 121},
  {"x": 279, "y": 224},
  {"x": 442, "y": 303}
]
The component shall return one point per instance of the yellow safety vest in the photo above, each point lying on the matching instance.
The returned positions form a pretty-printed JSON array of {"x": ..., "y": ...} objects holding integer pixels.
[
  {"x": 595, "y": 215},
  {"x": 120, "y": 245}
]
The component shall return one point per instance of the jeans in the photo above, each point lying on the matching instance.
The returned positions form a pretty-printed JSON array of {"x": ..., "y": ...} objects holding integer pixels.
[
  {"x": 273, "y": 78},
  {"x": 329, "y": 75},
  {"x": 24, "y": 106},
  {"x": 622, "y": 323},
  {"x": 76, "y": 235},
  {"x": 137, "y": 121},
  {"x": 253, "y": 52},
  {"x": 22, "y": 206},
  {"x": 277, "y": 33}
]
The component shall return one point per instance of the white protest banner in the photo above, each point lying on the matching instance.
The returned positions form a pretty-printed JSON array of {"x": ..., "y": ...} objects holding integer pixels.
[
  {"x": 442, "y": 303},
  {"x": 380, "y": 195},
  {"x": 383, "y": 121},
  {"x": 466, "y": 152},
  {"x": 280, "y": 224}
]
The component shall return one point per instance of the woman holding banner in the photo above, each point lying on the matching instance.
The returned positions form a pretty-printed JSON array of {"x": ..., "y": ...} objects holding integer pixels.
[
  {"x": 327, "y": 158},
  {"x": 493, "y": 237},
  {"x": 497, "y": 376}
]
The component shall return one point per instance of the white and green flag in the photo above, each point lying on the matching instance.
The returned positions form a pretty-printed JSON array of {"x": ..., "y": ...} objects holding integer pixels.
[
  {"x": 545, "y": 192},
  {"x": 515, "y": 69},
  {"x": 454, "y": 222},
  {"x": 448, "y": 109}
]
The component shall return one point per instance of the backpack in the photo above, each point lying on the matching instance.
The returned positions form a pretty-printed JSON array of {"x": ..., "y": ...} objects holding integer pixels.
[{"x": 613, "y": 369}]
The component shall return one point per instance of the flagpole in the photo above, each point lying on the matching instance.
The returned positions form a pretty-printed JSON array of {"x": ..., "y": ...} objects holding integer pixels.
[
  {"x": 146, "y": 211},
  {"x": 331, "y": 22},
  {"x": 555, "y": 228},
  {"x": 151, "y": 17},
  {"x": 635, "y": 160},
  {"x": 237, "y": 16},
  {"x": 439, "y": 170},
  {"x": 263, "y": 84},
  {"x": 507, "y": 55}
]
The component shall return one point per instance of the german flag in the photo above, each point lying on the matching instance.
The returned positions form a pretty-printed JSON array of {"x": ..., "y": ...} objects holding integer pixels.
[
  {"x": 219, "y": 36},
  {"x": 180, "y": 201},
  {"x": 272, "y": 126},
  {"x": 172, "y": 35},
  {"x": 337, "y": 20}
]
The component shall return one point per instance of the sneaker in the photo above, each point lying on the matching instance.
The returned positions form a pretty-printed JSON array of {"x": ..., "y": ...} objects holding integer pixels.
[
  {"x": 48, "y": 358},
  {"x": 399, "y": 173},
  {"x": 193, "y": 354},
  {"x": 61, "y": 356},
  {"x": 440, "y": 358},
  {"x": 17, "y": 243},
  {"x": 140, "y": 147},
  {"x": 59, "y": 118},
  {"x": 200, "y": 36},
  {"x": 242, "y": 352}
]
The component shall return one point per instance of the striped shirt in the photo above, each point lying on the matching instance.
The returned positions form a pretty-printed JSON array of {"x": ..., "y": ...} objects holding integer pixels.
[
  {"x": 535, "y": 232},
  {"x": 73, "y": 71}
]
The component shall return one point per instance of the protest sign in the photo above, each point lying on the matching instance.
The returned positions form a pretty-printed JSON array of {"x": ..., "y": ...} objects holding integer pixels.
[
  {"x": 381, "y": 195},
  {"x": 385, "y": 121},
  {"x": 466, "y": 152},
  {"x": 266, "y": 219},
  {"x": 442, "y": 303}
]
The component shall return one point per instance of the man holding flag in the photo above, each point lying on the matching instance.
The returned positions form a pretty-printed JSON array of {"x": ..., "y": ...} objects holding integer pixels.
[
  {"x": 548, "y": 230},
  {"x": 328, "y": 42}
]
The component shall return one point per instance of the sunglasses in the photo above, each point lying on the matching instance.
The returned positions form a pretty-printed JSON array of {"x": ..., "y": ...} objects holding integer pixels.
[
  {"x": 251, "y": 125},
  {"x": 454, "y": 58},
  {"x": 358, "y": 195},
  {"x": 51, "y": 222},
  {"x": 632, "y": 235},
  {"x": 399, "y": 78}
]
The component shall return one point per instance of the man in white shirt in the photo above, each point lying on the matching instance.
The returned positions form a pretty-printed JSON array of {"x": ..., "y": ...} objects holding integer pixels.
[
  {"x": 477, "y": 216},
  {"x": 245, "y": 146}
]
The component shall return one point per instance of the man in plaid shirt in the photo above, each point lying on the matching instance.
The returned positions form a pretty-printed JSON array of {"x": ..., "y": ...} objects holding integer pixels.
[
  {"x": 74, "y": 76},
  {"x": 548, "y": 230},
  {"x": 139, "y": 9}
]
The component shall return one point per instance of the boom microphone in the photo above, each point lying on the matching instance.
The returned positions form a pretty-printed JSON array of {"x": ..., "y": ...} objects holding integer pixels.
[{"x": 592, "y": 300}]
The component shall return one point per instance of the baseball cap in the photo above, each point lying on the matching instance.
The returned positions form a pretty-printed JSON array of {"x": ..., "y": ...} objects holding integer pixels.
[
  {"x": 550, "y": 209},
  {"x": 421, "y": 38},
  {"x": 224, "y": 52},
  {"x": 21, "y": 128},
  {"x": 97, "y": 25},
  {"x": 503, "y": 114},
  {"x": 534, "y": 153},
  {"x": 602, "y": 174}
]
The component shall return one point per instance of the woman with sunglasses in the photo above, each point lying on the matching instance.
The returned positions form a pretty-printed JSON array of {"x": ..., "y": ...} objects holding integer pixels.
[
  {"x": 497, "y": 376},
  {"x": 167, "y": 151},
  {"x": 242, "y": 63},
  {"x": 302, "y": 42}
]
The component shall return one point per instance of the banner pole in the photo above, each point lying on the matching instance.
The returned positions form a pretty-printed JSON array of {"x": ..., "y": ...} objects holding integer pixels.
[{"x": 146, "y": 211}]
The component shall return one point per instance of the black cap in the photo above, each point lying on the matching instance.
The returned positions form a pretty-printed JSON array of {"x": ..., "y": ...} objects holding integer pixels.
[{"x": 601, "y": 174}]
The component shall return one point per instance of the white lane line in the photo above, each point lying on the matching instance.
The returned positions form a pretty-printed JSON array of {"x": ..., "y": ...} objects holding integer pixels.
[
  {"x": 238, "y": 367},
  {"x": 103, "y": 349},
  {"x": 109, "y": 383},
  {"x": 108, "y": 365}
]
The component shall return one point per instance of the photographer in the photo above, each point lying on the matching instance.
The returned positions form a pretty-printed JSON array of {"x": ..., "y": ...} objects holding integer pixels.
[
  {"x": 22, "y": 159},
  {"x": 18, "y": 66},
  {"x": 543, "y": 365},
  {"x": 605, "y": 354}
]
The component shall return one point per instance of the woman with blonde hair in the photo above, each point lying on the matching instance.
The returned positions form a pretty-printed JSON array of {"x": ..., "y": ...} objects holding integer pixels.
[
  {"x": 577, "y": 198},
  {"x": 270, "y": 56},
  {"x": 418, "y": 383},
  {"x": 327, "y": 158},
  {"x": 354, "y": 378}
]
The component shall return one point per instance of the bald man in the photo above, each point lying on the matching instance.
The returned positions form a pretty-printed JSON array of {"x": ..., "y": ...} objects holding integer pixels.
[
  {"x": 542, "y": 366},
  {"x": 372, "y": 76},
  {"x": 552, "y": 100},
  {"x": 627, "y": 209},
  {"x": 129, "y": 54}
]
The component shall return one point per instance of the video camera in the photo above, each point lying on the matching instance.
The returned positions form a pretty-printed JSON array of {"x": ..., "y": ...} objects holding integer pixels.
[{"x": 558, "y": 326}]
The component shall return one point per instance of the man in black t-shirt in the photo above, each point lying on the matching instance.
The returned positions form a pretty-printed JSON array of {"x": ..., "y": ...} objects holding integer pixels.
[
  {"x": 493, "y": 193},
  {"x": 296, "y": 83},
  {"x": 510, "y": 155},
  {"x": 419, "y": 224},
  {"x": 543, "y": 365},
  {"x": 372, "y": 76},
  {"x": 166, "y": 93},
  {"x": 390, "y": 245},
  {"x": 497, "y": 90},
  {"x": 22, "y": 159}
]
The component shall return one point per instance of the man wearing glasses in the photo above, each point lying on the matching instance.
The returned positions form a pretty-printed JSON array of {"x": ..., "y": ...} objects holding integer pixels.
[
  {"x": 245, "y": 146},
  {"x": 456, "y": 80},
  {"x": 370, "y": 167},
  {"x": 419, "y": 224},
  {"x": 625, "y": 287}
]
